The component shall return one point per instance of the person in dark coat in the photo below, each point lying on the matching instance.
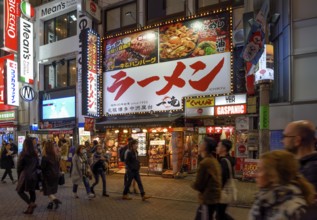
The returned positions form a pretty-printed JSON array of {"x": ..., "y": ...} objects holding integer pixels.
[
  {"x": 133, "y": 168},
  {"x": 223, "y": 150},
  {"x": 7, "y": 163},
  {"x": 50, "y": 173},
  {"x": 28, "y": 164},
  {"x": 15, "y": 150},
  {"x": 98, "y": 168}
]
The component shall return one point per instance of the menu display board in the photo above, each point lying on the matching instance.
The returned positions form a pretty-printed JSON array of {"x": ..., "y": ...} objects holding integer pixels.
[
  {"x": 198, "y": 37},
  {"x": 191, "y": 38},
  {"x": 157, "y": 150},
  {"x": 112, "y": 146},
  {"x": 131, "y": 50},
  {"x": 141, "y": 138}
]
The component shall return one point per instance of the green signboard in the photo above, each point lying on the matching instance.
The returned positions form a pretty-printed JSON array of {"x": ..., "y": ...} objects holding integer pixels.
[
  {"x": 7, "y": 116},
  {"x": 264, "y": 117}
]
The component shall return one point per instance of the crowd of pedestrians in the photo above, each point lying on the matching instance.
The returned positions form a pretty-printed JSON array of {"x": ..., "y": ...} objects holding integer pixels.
[{"x": 286, "y": 179}]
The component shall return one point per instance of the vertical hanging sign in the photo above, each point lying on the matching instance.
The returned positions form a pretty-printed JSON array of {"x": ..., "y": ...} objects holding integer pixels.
[
  {"x": 12, "y": 90},
  {"x": 90, "y": 72},
  {"x": 26, "y": 51},
  {"x": 10, "y": 31}
]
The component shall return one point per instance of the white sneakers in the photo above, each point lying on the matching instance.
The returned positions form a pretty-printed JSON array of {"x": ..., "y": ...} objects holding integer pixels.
[{"x": 91, "y": 196}]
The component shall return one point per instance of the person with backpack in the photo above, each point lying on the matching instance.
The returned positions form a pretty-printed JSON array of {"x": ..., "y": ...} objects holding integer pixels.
[
  {"x": 227, "y": 162},
  {"x": 133, "y": 167}
]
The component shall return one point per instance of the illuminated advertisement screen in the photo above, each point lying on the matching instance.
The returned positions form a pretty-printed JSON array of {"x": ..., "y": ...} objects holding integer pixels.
[{"x": 59, "y": 108}]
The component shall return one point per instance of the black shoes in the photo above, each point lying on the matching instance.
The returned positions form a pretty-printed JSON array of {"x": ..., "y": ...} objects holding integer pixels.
[
  {"x": 57, "y": 202},
  {"x": 105, "y": 194},
  {"x": 50, "y": 205}
]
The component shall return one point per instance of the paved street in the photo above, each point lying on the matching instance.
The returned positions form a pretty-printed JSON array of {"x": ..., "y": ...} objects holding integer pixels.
[{"x": 172, "y": 199}]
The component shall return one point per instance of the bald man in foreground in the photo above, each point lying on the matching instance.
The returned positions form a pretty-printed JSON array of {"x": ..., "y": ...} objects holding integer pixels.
[{"x": 299, "y": 138}]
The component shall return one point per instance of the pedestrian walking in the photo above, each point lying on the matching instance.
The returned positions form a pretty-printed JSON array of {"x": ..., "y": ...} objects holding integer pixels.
[
  {"x": 28, "y": 164},
  {"x": 225, "y": 160},
  {"x": 284, "y": 193},
  {"x": 64, "y": 155},
  {"x": 133, "y": 168},
  {"x": 14, "y": 149},
  {"x": 299, "y": 139},
  {"x": 7, "y": 163},
  {"x": 208, "y": 181},
  {"x": 98, "y": 168},
  {"x": 50, "y": 173},
  {"x": 81, "y": 171}
]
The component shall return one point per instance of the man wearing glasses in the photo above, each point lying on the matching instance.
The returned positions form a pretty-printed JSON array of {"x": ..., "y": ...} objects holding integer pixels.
[{"x": 299, "y": 139}]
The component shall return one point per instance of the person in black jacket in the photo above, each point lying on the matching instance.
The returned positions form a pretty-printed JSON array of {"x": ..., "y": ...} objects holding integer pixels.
[
  {"x": 50, "y": 173},
  {"x": 133, "y": 167},
  {"x": 223, "y": 149},
  {"x": 27, "y": 174},
  {"x": 14, "y": 149},
  {"x": 299, "y": 138},
  {"x": 7, "y": 163},
  {"x": 98, "y": 168}
]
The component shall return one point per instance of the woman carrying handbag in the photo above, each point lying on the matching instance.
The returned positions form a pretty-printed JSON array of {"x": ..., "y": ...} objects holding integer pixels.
[{"x": 228, "y": 188}]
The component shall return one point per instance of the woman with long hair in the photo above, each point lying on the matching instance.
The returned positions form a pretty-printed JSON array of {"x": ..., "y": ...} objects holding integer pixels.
[
  {"x": 50, "y": 173},
  {"x": 81, "y": 171},
  {"x": 283, "y": 193},
  {"x": 7, "y": 163},
  {"x": 28, "y": 164}
]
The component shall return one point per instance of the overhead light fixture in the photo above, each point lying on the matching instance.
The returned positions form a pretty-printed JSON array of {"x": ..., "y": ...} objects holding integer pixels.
[
  {"x": 116, "y": 131},
  {"x": 125, "y": 131},
  {"x": 73, "y": 17},
  {"x": 144, "y": 130},
  {"x": 164, "y": 130}
]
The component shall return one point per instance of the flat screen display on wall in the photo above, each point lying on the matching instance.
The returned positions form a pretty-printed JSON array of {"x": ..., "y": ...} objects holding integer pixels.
[{"x": 59, "y": 108}]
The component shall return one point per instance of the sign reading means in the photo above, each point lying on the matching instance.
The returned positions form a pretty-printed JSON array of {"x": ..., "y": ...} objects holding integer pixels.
[
  {"x": 163, "y": 89},
  {"x": 26, "y": 51},
  {"x": 27, "y": 93},
  {"x": 231, "y": 109},
  {"x": 55, "y": 7},
  {"x": 231, "y": 99},
  {"x": 11, "y": 14},
  {"x": 12, "y": 97}
]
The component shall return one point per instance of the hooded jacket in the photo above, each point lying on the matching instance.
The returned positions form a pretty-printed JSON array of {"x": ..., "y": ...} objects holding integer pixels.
[{"x": 308, "y": 167}]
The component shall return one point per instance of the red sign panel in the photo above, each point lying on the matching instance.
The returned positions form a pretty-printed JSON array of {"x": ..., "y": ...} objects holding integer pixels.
[
  {"x": 2, "y": 66},
  {"x": 11, "y": 15},
  {"x": 231, "y": 109}
]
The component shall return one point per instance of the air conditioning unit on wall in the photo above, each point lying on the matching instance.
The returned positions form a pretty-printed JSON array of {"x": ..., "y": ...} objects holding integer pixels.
[{"x": 238, "y": 38}]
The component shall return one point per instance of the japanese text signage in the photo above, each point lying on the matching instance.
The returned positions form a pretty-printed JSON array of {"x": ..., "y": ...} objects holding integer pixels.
[
  {"x": 200, "y": 102},
  {"x": 90, "y": 73},
  {"x": 131, "y": 50},
  {"x": 9, "y": 115},
  {"x": 26, "y": 51},
  {"x": 164, "y": 88},
  {"x": 231, "y": 99},
  {"x": 11, "y": 14},
  {"x": 264, "y": 70},
  {"x": 12, "y": 97},
  {"x": 2, "y": 70}
]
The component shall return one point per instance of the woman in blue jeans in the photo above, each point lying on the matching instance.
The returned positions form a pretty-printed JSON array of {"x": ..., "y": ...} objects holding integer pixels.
[
  {"x": 133, "y": 167},
  {"x": 98, "y": 168},
  {"x": 81, "y": 171}
]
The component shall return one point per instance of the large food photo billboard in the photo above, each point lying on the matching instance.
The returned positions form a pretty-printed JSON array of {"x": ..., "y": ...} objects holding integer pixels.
[{"x": 165, "y": 64}]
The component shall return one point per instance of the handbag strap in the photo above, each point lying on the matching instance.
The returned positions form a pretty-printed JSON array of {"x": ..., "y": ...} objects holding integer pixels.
[{"x": 229, "y": 167}]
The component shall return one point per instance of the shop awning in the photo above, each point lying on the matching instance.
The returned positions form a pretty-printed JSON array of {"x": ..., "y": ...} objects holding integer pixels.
[{"x": 142, "y": 122}]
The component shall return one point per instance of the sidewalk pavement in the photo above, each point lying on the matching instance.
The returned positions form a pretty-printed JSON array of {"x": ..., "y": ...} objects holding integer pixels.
[{"x": 173, "y": 199}]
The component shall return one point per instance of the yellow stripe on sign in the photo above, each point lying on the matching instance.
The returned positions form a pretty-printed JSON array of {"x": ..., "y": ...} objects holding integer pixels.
[{"x": 200, "y": 102}]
